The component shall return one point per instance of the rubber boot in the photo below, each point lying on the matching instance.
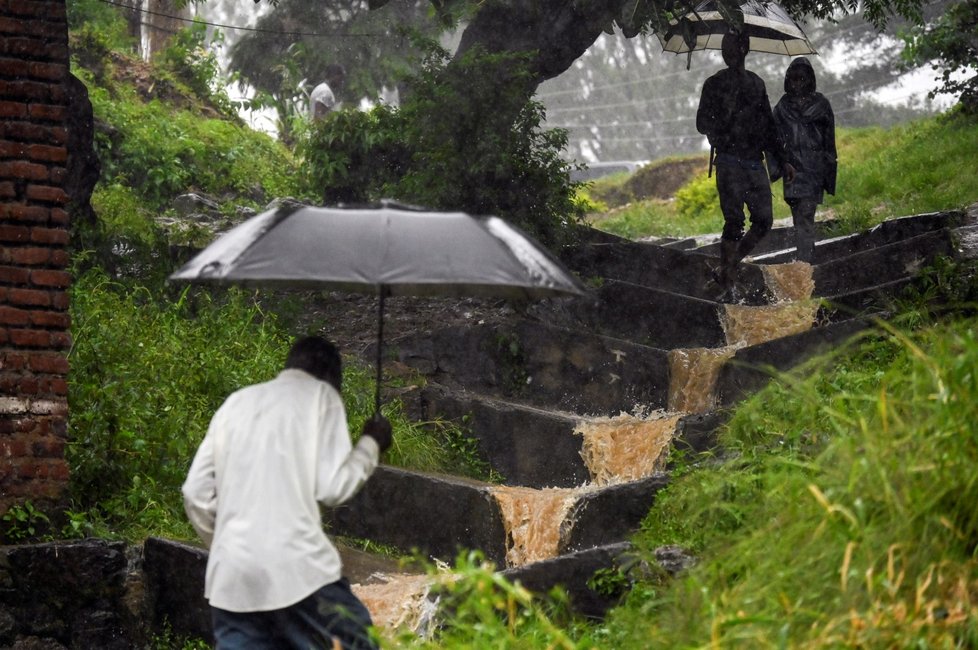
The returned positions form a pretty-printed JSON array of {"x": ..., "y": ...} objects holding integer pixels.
[
  {"x": 747, "y": 244},
  {"x": 725, "y": 275}
]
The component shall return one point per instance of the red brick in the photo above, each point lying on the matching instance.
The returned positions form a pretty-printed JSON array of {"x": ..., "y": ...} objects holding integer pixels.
[
  {"x": 54, "y": 386},
  {"x": 8, "y": 190},
  {"x": 4, "y": 339},
  {"x": 28, "y": 385},
  {"x": 26, "y": 48},
  {"x": 59, "y": 300},
  {"x": 12, "y": 149},
  {"x": 28, "y": 132},
  {"x": 34, "y": 213},
  {"x": 13, "y": 110},
  {"x": 8, "y": 381},
  {"x": 14, "y": 234},
  {"x": 13, "y": 316},
  {"x": 46, "y": 193},
  {"x": 59, "y": 217},
  {"x": 25, "y": 170},
  {"x": 43, "y": 278},
  {"x": 27, "y": 90},
  {"x": 49, "y": 235},
  {"x": 51, "y": 319},
  {"x": 48, "y": 448},
  {"x": 14, "y": 446},
  {"x": 13, "y": 361},
  {"x": 47, "y": 112},
  {"x": 30, "y": 255},
  {"x": 49, "y": 71},
  {"x": 55, "y": 364},
  {"x": 30, "y": 338},
  {"x": 60, "y": 340},
  {"x": 47, "y": 153},
  {"x": 14, "y": 275},
  {"x": 57, "y": 175},
  {"x": 59, "y": 258},
  {"x": 30, "y": 297},
  {"x": 13, "y": 68},
  {"x": 56, "y": 134}
]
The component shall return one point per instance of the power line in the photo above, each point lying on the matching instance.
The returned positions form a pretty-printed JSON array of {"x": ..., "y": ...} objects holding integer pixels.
[{"x": 243, "y": 29}]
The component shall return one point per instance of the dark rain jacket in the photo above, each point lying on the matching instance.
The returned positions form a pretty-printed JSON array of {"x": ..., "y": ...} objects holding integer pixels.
[
  {"x": 806, "y": 125},
  {"x": 735, "y": 115}
]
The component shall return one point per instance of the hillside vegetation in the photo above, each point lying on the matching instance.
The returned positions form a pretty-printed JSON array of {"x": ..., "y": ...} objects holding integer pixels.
[
  {"x": 840, "y": 514},
  {"x": 906, "y": 169}
]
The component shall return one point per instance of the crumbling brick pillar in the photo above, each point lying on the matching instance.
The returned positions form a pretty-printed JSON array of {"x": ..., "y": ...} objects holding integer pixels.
[{"x": 34, "y": 322}]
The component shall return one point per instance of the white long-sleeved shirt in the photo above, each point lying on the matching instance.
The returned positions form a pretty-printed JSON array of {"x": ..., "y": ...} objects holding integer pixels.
[{"x": 272, "y": 453}]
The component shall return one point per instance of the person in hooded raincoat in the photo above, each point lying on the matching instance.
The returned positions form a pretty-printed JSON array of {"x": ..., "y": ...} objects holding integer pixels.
[{"x": 806, "y": 124}]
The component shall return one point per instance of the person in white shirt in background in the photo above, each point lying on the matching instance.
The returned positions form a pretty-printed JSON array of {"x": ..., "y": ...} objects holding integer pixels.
[
  {"x": 273, "y": 453},
  {"x": 322, "y": 99}
]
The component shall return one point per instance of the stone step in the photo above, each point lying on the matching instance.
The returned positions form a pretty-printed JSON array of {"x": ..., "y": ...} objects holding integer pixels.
[
  {"x": 658, "y": 267},
  {"x": 442, "y": 515},
  {"x": 751, "y": 368},
  {"x": 640, "y": 314},
  {"x": 881, "y": 264},
  {"x": 887, "y": 232},
  {"x": 541, "y": 365},
  {"x": 533, "y": 447}
]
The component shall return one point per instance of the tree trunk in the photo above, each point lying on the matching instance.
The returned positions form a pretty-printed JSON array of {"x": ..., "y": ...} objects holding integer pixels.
[{"x": 556, "y": 32}]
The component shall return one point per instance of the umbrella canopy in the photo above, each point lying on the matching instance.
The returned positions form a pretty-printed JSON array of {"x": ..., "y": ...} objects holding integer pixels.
[
  {"x": 387, "y": 249},
  {"x": 770, "y": 27}
]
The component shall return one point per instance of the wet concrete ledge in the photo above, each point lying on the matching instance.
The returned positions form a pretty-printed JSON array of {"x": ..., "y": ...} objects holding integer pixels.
[
  {"x": 644, "y": 315},
  {"x": 79, "y": 594},
  {"x": 752, "y": 368},
  {"x": 542, "y": 365},
  {"x": 537, "y": 448},
  {"x": 528, "y": 446},
  {"x": 573, "y": 572},
  {"x": 441, "y": 516},
  {"x": 882, "y": 264},
  {"x": 682, "y": 272},
  {"x": 886, "y": 232}
]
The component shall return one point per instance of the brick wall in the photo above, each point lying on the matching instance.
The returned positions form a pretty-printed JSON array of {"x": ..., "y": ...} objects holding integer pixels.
[{"x": 34, "y": 325}]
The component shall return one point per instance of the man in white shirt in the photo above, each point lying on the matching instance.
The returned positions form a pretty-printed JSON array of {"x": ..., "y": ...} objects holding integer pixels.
[
  {"x": 322, "y": 100},
  {"x": 272, "y": 454}
]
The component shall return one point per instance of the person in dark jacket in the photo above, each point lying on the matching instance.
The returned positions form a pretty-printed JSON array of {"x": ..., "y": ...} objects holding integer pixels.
[
  {"x": 806, "y": 124},
  {"x": 735, "y": 115}
]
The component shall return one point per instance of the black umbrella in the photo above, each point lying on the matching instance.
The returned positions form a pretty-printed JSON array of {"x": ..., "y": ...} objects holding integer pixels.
[
  {"x": 387, "y": 250},
  {"x": 769, "y": 26}
]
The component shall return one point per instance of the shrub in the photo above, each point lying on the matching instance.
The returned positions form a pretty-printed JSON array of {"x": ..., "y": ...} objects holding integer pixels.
[{"x": 422, "y": 153}]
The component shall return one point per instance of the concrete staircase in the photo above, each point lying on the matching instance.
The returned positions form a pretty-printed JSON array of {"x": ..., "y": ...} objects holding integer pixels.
[{"x": 531, "y": 389}]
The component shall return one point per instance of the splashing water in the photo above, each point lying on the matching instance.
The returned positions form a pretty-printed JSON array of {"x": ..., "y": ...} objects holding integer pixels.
[
  {"x": 789, "y": 282},
  {"x": 398, "y": 601},
  {"x": 625, "y": 447},
  {"x": 750, "y": 325},
  {"x": 533, "y": 520},
  {"x": 693, "y": 374}
]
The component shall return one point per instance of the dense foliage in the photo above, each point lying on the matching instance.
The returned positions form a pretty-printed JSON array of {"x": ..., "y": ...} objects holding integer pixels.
[
  {"x": 951, "y": 46},
  {"x": 421, "y": 153}
]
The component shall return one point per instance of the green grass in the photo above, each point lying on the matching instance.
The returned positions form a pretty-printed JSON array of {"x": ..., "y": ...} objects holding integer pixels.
[
  {"x": 913, "y": 168},
  {"x": 843, "y": 516},
  {"x": 150, "y": 367}
]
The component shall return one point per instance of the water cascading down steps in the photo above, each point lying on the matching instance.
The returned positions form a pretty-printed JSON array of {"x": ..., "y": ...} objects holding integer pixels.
[{"x": 577, "y": 404}]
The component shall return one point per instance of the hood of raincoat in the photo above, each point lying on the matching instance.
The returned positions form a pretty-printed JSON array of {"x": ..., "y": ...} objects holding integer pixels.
[{"x": 801, "y": 66}]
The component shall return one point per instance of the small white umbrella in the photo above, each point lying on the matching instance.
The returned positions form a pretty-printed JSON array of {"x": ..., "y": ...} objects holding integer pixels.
[{"x": 388, "y": 249}]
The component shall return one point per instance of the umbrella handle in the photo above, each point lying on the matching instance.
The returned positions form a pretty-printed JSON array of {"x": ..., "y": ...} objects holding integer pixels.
[{"x": 380, "y": 348}]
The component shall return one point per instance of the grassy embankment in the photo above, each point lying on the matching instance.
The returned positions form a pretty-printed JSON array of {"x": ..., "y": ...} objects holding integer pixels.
[{"x": 907, "y": 169}]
